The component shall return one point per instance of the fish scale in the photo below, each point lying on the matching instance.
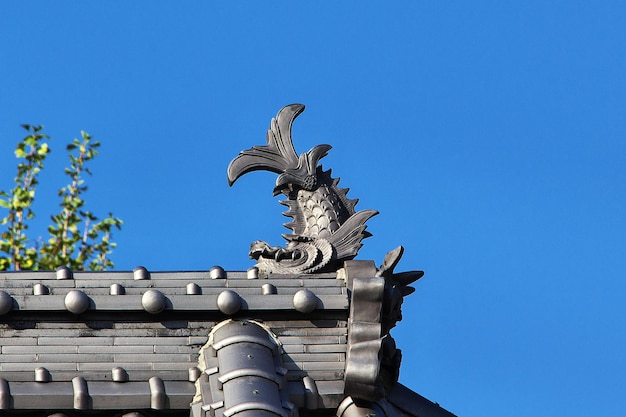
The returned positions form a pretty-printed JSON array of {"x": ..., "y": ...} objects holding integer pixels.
[{"x": 319, "y": 210}]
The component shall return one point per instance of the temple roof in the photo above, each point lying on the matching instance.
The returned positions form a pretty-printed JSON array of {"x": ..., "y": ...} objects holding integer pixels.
[{"x": 133, "y": 340}]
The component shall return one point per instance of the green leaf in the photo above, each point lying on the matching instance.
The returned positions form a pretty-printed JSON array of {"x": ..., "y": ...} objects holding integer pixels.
[{"x": 43, "y": 149}]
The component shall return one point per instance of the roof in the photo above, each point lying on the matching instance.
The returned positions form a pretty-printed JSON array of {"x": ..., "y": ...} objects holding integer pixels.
[{"x": 134, "y": 340}]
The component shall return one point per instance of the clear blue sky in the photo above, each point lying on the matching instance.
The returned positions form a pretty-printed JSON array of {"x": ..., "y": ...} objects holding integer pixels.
[{"x": 490, "y": 135}]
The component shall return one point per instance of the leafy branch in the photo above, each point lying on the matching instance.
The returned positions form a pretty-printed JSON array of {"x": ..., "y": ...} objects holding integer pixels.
[
  {"x": 33, "y": 150},
  {"x": 77, "y": 238}
]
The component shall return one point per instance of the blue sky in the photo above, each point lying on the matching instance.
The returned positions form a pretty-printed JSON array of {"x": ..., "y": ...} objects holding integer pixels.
[{"x": 490, "y": 135}]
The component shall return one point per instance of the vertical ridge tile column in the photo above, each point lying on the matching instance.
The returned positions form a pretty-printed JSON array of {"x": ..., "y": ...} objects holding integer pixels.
[{"x": 249, "y": 379}]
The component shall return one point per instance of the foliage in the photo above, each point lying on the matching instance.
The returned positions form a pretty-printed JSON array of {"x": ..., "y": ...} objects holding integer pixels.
[{"x": 77, "y": 238}]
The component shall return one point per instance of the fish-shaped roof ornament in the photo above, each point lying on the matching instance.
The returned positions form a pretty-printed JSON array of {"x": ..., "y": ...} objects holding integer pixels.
[{"x": 326, "y": 229}]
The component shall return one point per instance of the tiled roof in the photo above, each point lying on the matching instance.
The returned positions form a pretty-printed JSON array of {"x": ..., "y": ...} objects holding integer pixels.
[{"x": 131, "y": 340}]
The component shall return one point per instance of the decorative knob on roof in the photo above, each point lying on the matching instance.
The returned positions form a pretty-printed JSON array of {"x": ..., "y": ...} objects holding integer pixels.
[
  {"x": 217, "y": 272},
  {"x": 119, "y": 374},
  {"x": 305, "y": 301},
  {"x": 141, "y": 273},
  {"x": 77, "y": 302},
  {"x": 42, "y": 375},
  {"x": 158, "y": 398},
  {"x": 81, "y": 393},
  {"x": 153, "y": 301},
  {"x": 63, "y": 272},
  {"x": 268, "y": 289},
  {"x": 252, "y": 273},
  {"x": 229, "y": 302},
  {"x": 40, "y": 289},
  {"x": 117, "y": 289},
  {"x": 193, "y": 289}
]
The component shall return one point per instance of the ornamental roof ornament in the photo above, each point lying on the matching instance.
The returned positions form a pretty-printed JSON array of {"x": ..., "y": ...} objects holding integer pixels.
[{"x": 326, "y": 228}]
